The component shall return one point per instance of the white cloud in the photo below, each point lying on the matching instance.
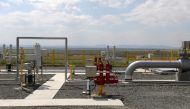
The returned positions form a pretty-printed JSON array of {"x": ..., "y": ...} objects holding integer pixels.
[
  {"x": 161, "y": 12},
  {"x": 56, "y": 5},
  {"x": 4, "y": 4},
  {"x": 111, "y": 19},
  {"x": 113, "y": 3},
  {"x": 40, "y": 23}
]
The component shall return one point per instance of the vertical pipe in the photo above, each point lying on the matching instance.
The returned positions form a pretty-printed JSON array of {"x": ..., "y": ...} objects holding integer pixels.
[
  {"x": 10, "y": 54},
  {"x": 107, "y": 53},
  {"x": 71, "y": 72},
  {"x": 3, "y": 51},
  {"x": 17, "y": 56},
  {"x": 114, "y": 52},
  {"x": 66, "y": 60},
  {"x": 88, "y": 87}
]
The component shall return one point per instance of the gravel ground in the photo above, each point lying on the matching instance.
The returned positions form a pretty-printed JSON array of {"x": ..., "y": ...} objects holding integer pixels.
[
  {"x": 11, "y": 89},
  {"x": 138, "y": 95}
]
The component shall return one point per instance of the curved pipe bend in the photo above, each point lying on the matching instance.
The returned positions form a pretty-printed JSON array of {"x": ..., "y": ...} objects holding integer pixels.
[{"x": 150, "y": 64}]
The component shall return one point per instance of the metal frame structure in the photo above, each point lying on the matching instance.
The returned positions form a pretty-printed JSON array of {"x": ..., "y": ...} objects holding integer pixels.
[{"x": 42, "y": 38}]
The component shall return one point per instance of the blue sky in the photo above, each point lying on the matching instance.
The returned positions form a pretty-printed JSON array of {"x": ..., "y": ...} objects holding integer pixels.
[{"x": 98, "y": 22}]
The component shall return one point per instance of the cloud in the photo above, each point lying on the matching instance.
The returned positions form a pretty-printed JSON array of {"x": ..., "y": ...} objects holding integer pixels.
[
  {"x": 161, "y": 12},
  {"x": 4, "y": 4},
  {"x": 111, "y": 19},
  {"x": 40, "y": 23},
  {"x": 113, "y": 3},
  {"x": 84, "y": 27},
  {"x": 56, "y": 5}
]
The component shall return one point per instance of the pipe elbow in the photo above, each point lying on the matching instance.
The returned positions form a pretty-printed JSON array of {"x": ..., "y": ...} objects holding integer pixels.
[
  {"x": 150, "y": 64},
  {"x": 130, "y": 69}
]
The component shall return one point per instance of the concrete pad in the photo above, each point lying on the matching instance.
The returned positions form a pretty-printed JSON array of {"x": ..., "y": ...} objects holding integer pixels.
[
  {"x": 49, "y": 89},
  {"x": 62, "y": 70},
  {"x": 62, "y": 102}
]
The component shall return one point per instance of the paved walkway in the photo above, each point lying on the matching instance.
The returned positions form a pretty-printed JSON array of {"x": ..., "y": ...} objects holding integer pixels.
[
  {"x": 43, "y": 96},
  {"x": 49, "y": 89},
  {"x": 62, "y": 102}
]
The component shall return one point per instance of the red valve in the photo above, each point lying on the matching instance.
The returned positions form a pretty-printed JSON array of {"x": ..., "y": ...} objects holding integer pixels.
[{"x": 102, "y": 79}]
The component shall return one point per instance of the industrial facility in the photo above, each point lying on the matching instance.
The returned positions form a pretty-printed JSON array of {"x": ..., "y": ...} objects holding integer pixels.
[{"x": 106, "y": 78}]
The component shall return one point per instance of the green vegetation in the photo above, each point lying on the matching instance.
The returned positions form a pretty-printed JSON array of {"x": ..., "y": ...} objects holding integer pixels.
[{"x": 124, "y": 57}]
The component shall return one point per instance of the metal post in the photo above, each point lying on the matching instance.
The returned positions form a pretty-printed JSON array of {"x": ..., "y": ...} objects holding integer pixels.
[
  {"x": 66, "y": 42},
  {"x": 108, "y": 53},
  {"x": 114, "y": 52},
  {"x": 71, "y": 72},
  {"x": 17, "y": 56},
  {"x": 10, "y": 54},
  {"x": 3, "y": 51},
  {"x": 88, "y": 87}
]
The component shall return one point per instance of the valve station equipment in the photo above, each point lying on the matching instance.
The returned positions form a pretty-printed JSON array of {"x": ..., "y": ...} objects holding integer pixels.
[
  {"x": 104, "y": 76},
  {"x": 90, "y": 74},
  {"x": 185, "y": 52},
  {"x": 7, "y": 56},
  {"x": 29, "y": 76},
  {"x": 8, "y": 67},
  {"x": 101, "y": 74},
  {"x": 90, "y": 71}
]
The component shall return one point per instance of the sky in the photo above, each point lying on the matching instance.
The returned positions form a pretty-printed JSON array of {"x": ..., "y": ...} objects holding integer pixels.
[{"x": 97, "y": 22}]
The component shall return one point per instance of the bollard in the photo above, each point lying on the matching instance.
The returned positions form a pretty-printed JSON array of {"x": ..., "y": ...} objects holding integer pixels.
[
  {"x": 88, "y": 87},
  {"x": 100, "y": 90},
  {"x": 71, "y": 72},
  {"x": 53, "y": 57},
  {"x": 171, "y": 55}
]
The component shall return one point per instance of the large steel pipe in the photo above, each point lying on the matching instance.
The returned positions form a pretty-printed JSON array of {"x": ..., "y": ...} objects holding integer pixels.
[{"x": 183, "y": 64}]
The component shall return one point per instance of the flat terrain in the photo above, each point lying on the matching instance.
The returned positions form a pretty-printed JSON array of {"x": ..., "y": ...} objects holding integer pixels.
[
  {"x": 138, "y": 95},
  {"x": 134, "y": 95},
  {"x": 10, "y": 89}
]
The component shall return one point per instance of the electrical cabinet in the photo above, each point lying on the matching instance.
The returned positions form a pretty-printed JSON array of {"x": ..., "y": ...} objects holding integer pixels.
[{"x": 90, "y": 71}]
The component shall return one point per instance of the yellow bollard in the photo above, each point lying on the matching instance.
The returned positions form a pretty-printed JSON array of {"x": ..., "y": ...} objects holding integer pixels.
[
  {"x": 100, "y": 90},
  {"x": 53, "y": 57},
  {"x": 71, "y": 72},
  {"x": 171, "y": 55}
]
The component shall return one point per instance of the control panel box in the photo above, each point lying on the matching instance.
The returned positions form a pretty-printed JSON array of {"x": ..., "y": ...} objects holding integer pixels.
[{"x": 90, "y": 71}]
